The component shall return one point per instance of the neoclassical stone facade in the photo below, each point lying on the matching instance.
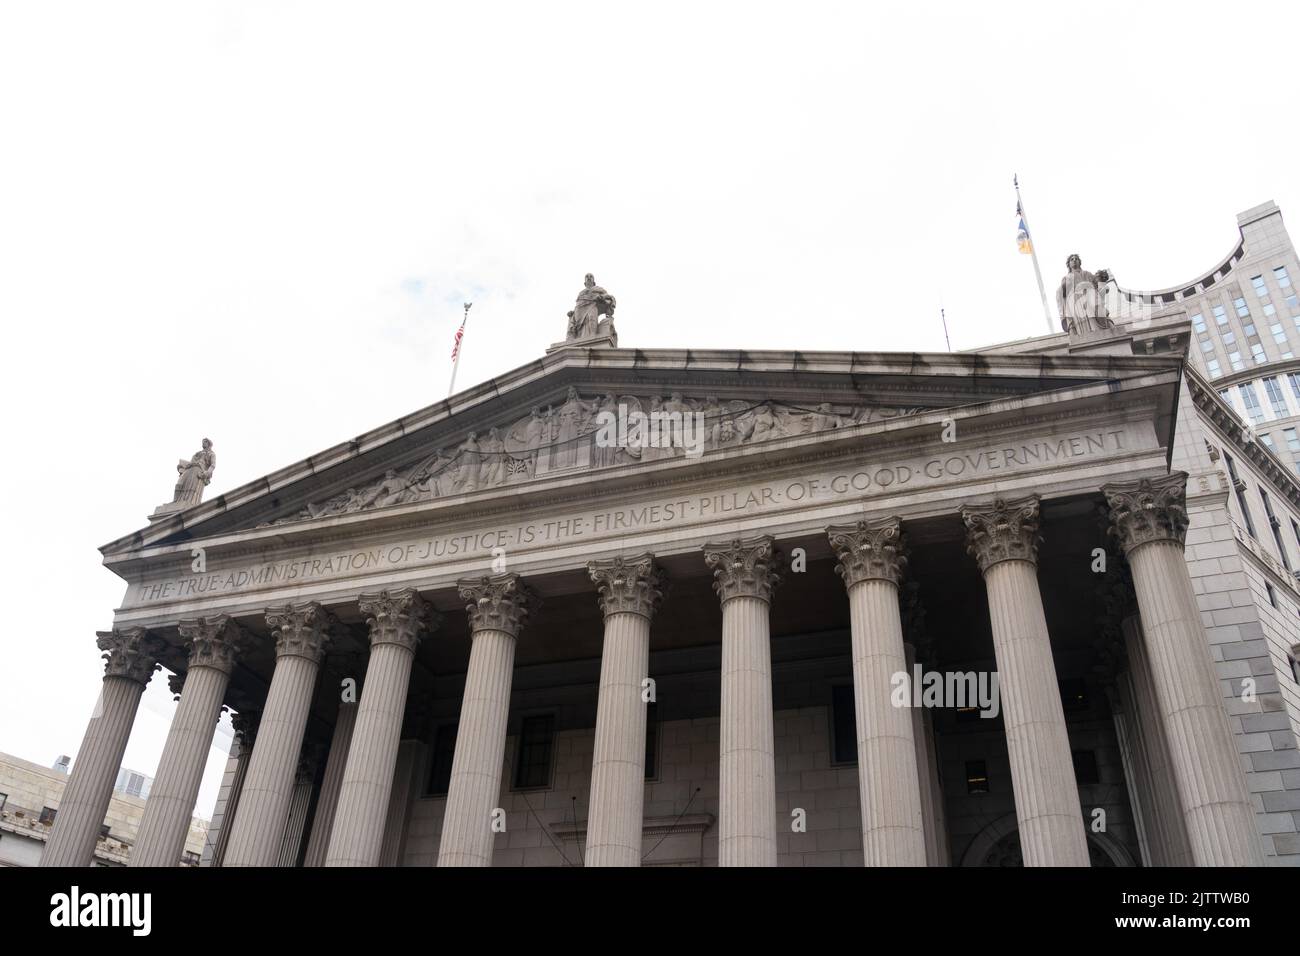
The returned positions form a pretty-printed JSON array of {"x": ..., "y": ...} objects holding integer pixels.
[{"x": 544, "y": 650}]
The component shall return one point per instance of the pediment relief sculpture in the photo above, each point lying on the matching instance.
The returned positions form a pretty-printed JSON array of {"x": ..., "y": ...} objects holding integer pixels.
[{"x": 593, "y": 432}]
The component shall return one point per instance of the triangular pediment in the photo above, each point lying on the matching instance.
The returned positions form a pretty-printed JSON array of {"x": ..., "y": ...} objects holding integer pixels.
[{"x": 598, "y": 413}]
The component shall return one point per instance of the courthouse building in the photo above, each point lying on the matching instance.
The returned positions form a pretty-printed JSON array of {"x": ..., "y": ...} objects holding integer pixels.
[{"x": 502, "y": 631}]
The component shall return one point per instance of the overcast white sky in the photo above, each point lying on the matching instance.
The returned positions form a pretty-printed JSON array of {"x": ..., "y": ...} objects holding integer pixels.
[{"x": 257, "y": 223}]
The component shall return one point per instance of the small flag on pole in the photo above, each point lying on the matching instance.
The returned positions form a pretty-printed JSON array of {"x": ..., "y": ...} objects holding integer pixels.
[
  {"x": 1023, "y": 242},
  {"x": 460, "y": 334},
  {"x": 455, "y": 350}
]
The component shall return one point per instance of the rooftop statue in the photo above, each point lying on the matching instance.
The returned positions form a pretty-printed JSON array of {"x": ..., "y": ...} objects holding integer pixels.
[
  {"x": 194, "y": 477},
  {"x": 1081, "y": 298},
  {"x": 593, "y": 302}
]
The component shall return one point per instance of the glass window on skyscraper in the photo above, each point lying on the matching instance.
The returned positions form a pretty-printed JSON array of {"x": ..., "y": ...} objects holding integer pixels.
[{"x": 1250, "y": 399}]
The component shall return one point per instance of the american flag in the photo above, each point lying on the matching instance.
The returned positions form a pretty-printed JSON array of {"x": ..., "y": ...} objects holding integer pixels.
[{"x": 460, "y": 333}]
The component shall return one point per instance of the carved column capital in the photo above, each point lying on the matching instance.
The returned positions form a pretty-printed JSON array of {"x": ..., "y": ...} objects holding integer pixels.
[
  {"x": 300, "y": 630},
  {"x": 176, "y": 684},
  {"x": 869, "y": 551},
  {"x": 744, "y": 568},
  {"x": 1149, "y": 509},
  {"x": 1002, "y": 531},
  {"x": 130, "y": 652},
  {"x": 245, "y": 723},
  {"x": 398, "y": 617},
  {"x": 213, "y": 642},
  {"x": 500, "y": 602},
  {"x": 628, "y": 585}
]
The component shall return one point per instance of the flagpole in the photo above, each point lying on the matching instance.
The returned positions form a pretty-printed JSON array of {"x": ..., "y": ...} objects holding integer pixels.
[
  {"x": 1033, "y": 253},
  {"x": 460, "y": 341}
]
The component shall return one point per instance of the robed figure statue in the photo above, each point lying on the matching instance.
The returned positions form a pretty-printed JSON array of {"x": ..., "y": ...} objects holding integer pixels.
[
  {"x": 593, "y": 302},
  {"x": 1081, "y": 298}
]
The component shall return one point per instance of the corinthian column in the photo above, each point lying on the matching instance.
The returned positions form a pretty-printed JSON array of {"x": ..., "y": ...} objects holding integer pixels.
[
  {"x": 1149, "y": 518},
  {"x": 497, "y": 607},
  {"x": 744, "y": 577},
  {"x": 871, "y": 563},
  {"x": 322, "y": 825},
  {"x": 397, "y": 621},
  {"x": 213, "y": 644},
  {"x": 630, "y": 591},
  {"x": 132, "y": 657},
  {"x": 1003, "y": 538},
  {"x": 245, "y": 725},
  {"x": 301, "y": 634}
]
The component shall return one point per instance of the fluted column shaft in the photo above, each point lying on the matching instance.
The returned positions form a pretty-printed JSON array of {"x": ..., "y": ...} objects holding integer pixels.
[
  {"x": 396, "y": 622},
  {"x": 232, "y": 804},
  {"x": 932, "y": 815},
  {"x": 397, "y": 818},
  {"x": 889, "y": 782},
  {"x": 1216, "y": 807},
  {"x": 1150, "y": 519},
  {"x": 213, "y": 645},
  {"x": 1004, "y": 539},
  {"x": 358, "y": 830},
  {"x": 170, "y": 805},
  {"x": 1167, "y": 829},
  {"x": 630, "y": 591},
  {"x": 497, "y": 608},
  {"x": 132, "y": 657},
  {"x": 327, "y": 802},
  {"x": 744, "y": 577},
  {"x": 296, "y": 819},
  {"x": 260, "y": 819}
]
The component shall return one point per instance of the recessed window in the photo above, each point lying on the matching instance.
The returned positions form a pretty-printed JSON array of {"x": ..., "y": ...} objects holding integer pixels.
[
  {"x": 977, "y": 776},
  {"x": 4, "y": 798},
  {"x": 1198, "y": 322},
  {"x": 1213, "y": 366},
  {"x": 844, "y": 724},
  {"x": 1295, "y": 668},
  {"x": 1272, "y": 595},
  {"x": 190, "y": 858},
  {"x": 1085, "y": 768},
  {"x": 1250, "y": 399},
  {"x": 1240, "y": 487},
  {"x": 1283, "y": 280},
  {"x": 1207, "y": 346},
  {"x": 1261, "y": 290},
  {"x": 536, "y": 746},
  {"x": 1240, "y": 305},
  {"x": 1275, "y": 396},
  {"x": 47, "y": 815},
  {"x": 444, "y": 752},
  {"x": 1267, "y": 439},
  {"x": 1220, "y": 317},
  {"x": 1276, "y": 525},
  {"x": 1234, "y": 359},
  {"x": 1229, "y": 337}
]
